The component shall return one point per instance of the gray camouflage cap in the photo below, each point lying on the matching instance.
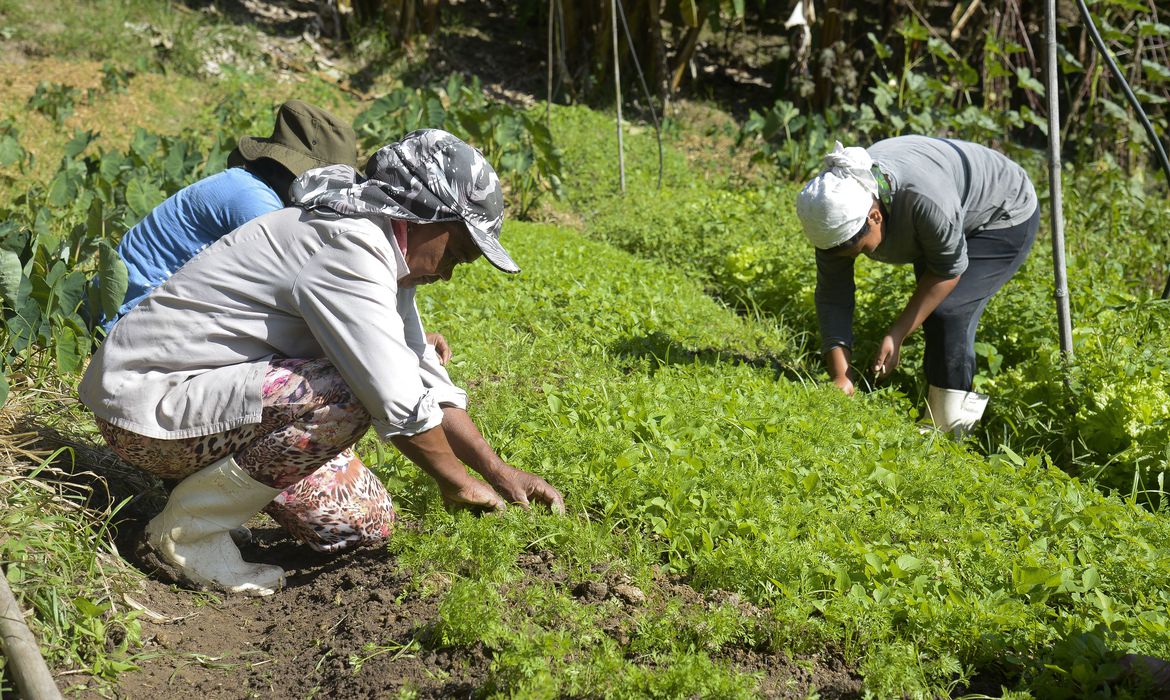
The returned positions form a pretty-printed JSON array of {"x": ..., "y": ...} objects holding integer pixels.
[{"x": 429, "y": 176}]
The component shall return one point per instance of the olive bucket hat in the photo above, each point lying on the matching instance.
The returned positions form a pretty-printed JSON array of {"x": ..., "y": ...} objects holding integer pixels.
[{"x": 304, "y": 137}]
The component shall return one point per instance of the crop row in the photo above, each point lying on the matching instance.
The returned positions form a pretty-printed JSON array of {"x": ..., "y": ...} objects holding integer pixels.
[{"x": 1106, "y": 415}]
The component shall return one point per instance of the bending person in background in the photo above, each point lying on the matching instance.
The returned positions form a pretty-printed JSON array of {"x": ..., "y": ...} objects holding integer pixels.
[
  {"x": 262, "y": 361},
  {"x": 256, "y": 181},
  {"x": 964, "y": 215}
]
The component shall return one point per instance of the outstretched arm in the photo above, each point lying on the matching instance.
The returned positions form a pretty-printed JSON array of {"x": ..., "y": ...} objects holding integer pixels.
[
  {"x": 931, "y": 291},
  {"x": 431, "y": 451},
  {"x": 516, "y": 486}
]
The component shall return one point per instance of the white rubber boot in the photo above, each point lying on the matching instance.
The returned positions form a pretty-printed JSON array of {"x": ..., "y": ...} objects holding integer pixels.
[
  {"x": 954, "y": 411},
  {"x": 192, "y": 531}
]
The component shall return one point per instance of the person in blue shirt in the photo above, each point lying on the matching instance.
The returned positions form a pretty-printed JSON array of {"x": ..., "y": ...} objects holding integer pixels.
[{"x": 260, "y": 171}]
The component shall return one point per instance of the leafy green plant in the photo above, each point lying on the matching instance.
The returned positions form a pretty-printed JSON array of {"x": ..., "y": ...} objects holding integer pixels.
[
  {"x": 54, "y": 100},
  {"x": 60, "y": 566},
  {"x": 516, "y": 142}
]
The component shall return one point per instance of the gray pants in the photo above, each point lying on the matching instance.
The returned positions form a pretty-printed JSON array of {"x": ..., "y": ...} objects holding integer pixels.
[{"x": 993, "y": 257}]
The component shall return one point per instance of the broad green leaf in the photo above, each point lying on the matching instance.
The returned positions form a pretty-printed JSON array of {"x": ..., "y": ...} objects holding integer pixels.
[
  {"x": 3, "y": 389},
  {"x": 70, "y": 291},
  {"x": 89, "y": 609},
  {"x": 913, "y": 30},
  {"x": 10, "y": 274},
  {"x": 11, "y": 152},
  {"x": 62, "y": 189},
  {"x": 67, "y": 347},
  {"x": 690, "y": 12},
  {"x": 907, "y": 562},
  {"x": 113, "y": 280},
  {"x": 1029, "y": 577},
  {"x": 95, "y": 223},
  {"x": 142, "y": 197},
  {"x": 144, "y": 144},
  {"x": 79, "y": 142}
]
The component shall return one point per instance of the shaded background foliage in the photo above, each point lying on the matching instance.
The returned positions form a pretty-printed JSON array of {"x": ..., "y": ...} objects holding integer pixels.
[{"x": 873, "y": 68}]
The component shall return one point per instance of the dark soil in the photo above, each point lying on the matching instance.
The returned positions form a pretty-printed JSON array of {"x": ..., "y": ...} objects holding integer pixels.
[{"x": 353, "y": 625}]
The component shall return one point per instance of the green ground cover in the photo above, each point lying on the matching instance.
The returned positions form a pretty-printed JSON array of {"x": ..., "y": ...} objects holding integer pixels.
[
  {"x": 690, "y": 439},
  {"x": 741, "y": 239},
  {"x": 923, "y": 560}
]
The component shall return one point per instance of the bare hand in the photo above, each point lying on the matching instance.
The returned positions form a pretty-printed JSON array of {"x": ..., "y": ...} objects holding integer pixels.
[
  {"x": 472, "y": 494},
  {"x": 522, "y": 489},
  {"x": 845, "y": 384},
  {"x": 888, "y": 355},
  {"x": 442, "y": 349}
]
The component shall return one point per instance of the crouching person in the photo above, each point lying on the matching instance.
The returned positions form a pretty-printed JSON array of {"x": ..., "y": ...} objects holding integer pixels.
[{"x": 254, "y": 369}]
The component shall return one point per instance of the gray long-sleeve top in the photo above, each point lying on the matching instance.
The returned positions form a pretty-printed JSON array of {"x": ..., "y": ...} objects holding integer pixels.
[
  {"x": 190, "y": 360},
  {"x": 943, "y": 190}
]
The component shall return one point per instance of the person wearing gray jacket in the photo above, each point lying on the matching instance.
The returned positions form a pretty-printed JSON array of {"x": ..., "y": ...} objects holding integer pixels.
[
  {"x": 258, "y": 365},
  {"x": 963, "y": 215}
]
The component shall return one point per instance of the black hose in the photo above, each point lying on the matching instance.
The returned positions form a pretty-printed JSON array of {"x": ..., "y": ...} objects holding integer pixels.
[{"x": 1133, "y": 102}]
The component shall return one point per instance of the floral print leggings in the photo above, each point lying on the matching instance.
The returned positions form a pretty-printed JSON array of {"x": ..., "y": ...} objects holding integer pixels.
[{"x": 302, "y": 444}]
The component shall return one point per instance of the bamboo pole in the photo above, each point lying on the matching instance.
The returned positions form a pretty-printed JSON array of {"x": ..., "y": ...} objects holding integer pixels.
[
  {"x": 548, "y": 95},
  {"x": 28, "y": 669},
  {"x": 617, "y": 88},
  {"x": 1060, "y": 279}
]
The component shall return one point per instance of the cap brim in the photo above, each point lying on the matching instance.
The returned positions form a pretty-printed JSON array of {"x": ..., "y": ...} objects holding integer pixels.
[
  {"x": 297, "y": 163},
  {"x": 492, "y": 250}
]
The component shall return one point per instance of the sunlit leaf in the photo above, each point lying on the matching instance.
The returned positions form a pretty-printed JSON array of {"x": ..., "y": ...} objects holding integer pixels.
[
  {"x": 10, "y": 275},
  {"x": 114, "y": 282},
  {"x": 142, "y": 197}
]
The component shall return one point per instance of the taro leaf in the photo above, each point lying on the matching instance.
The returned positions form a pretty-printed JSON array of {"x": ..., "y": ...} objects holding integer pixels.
[
  {"x": 78, "y": 143},
  {"x": 172, "y": 165},
  {"x": 3, "y": 389},
  {"x": 142, "y": 196},
  {"x": 70, "y": 291},
  {"x": 63, "y": 188},
  {"x": 95, "y": 222},
  {"x": 68, "y": 348},
  {"x": 144, "y": 145},
  {"x": 113, "y": 280},
  {"x": 10, "y": 274},
  {"x": 11, "y": 151}
]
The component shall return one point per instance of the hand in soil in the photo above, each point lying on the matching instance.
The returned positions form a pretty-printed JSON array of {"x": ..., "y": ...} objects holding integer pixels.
[
  {"x": 473, "y": 495},
  {"x": 520, "y": 488}
]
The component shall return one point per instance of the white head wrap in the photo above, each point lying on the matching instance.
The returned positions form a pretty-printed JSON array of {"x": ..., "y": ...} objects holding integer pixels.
[{"x": 833, "y": 206}]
